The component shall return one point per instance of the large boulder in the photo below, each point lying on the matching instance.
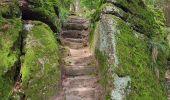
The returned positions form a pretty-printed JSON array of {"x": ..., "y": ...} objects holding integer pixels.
[
  {"x": 40, "y": 67},
  {"x": 129, "y": 41}
]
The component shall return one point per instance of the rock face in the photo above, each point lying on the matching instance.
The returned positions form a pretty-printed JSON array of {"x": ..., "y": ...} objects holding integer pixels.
[
  {"x": 122, "y": 33},
  {"x": 29, "y": 65},
  {"x": 40, "y": 67},
  {"x": 10, "y": 28},
  {"x": 37, "y": 64}
]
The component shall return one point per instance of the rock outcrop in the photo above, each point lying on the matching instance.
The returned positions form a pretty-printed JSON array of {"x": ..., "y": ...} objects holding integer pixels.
[
  {"x": 40, "y": 66},
  {"x": 29, "y": 65},
  {"x": 128, "y": 38}
]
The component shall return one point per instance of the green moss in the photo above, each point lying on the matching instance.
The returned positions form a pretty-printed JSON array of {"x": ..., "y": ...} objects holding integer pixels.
[
  {"x": 9, "y": 9},
  {"x": 43, "y": 10},
  {"x": 40, "y": 70},
  {"x": 47, "y": 17},
  {"x": 105, "y": 76},
  {"x": 9, "y": 53},
  {"x": 141, "y": 17},
  {"x": 134, "y": 49},
  {"x": 135, "y": 61}
]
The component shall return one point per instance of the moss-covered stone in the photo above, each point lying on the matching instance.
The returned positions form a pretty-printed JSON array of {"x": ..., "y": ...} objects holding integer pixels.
[
  {"x": 9, "y": 54},
  {"x": 42, "y": 10},
  {"x": 40, "y": 67},
  {"x": 135, "y": 60},
  {"x": 130, "y": 40},
  {"x": 9, "y": 9}
]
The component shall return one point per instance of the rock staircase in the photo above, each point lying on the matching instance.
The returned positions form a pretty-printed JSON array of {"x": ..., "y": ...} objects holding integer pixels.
[{"x": 80, "y": 80}]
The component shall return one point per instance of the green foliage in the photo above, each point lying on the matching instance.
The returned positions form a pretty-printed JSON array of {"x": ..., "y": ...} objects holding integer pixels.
[
  {"x": 155, "y": 2},
  {"x": 89, "y": 7},
  {"x": 93, "y": 4},
  {"x": 9, "y": 53},
  {"x": 40, "y": 70}
]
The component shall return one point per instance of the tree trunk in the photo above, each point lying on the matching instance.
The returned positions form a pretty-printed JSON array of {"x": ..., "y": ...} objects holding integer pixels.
[
  {"x": 75, "y": 6},
  {"x": 167, "y": 12}
]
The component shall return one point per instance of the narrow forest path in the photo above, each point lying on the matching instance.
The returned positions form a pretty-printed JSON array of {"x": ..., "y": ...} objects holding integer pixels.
[{"x": 79, "y": 80}]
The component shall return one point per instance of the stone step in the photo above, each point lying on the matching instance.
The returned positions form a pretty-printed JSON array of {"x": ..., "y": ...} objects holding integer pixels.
[
  {"x": 71, "y": 34},
  {"x": 89, "y": 60},
  {"x": 79, "y": 21},
  {"x": 75, "y": 26},
  {"x": 80, "y": 60},
  {"x": 79, "y": 70},
  {"x": 80, "y": 81},
  {"x": 72, "y": 97},
  {"x": 80, "y": 94},
  {"x": 84, "y": 52},
  {"x": 168, "y": 62},
  {"x": 74, "y": 34},
  {"x": 75, "y": 40},
  {"x": 75, "y": 18},
  {"x": 73, "y": 45}
]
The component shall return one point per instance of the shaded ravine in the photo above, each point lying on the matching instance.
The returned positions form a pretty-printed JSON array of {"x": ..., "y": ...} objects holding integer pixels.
[{"x": 80, "y": 79}]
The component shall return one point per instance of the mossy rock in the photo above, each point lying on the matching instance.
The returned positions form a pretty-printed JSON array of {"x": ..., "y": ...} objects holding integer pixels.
[
  {"x": 42, "y": 10},
  {"x": 40, "y": 68},
  {"x": 9, "y": 54},
  {"x": 10, "y": 8},
  {"x": 134, "y": 59},
  {"x": 144, "y": 19}
]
